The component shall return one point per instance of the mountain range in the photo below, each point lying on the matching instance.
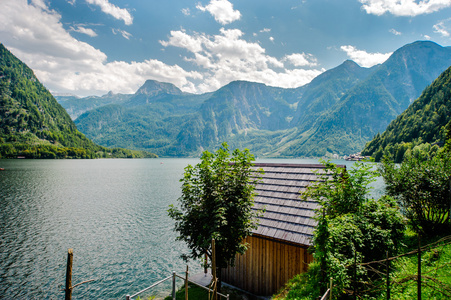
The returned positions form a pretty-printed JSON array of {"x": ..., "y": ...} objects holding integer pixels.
[{"x": 336, "y": 113}]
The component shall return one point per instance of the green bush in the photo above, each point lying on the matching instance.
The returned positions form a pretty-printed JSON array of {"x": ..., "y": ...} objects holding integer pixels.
[
  {"x": 351, "y": 229},
  {"x": 421, "y": 185}
]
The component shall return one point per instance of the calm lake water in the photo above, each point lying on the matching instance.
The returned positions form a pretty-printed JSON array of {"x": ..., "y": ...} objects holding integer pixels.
[{"x": 112, "y": 212}]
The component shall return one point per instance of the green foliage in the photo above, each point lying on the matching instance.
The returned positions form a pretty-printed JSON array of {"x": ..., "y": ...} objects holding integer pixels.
[
  {"x": 340, "y": 191},
  {"x": 216, "y": 203},
  {"x": 147, "y": 298},
  {"x": 436, "y": 267},
  {"x": 48, "y": 151},
  {"x": 422, "y": 187},
  {"x": 351, "y": 228},
  {"x": 303, "y": 286}
]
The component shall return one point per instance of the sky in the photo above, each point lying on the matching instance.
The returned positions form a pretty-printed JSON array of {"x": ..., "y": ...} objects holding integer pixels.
[{"x": 91, "y": 47}]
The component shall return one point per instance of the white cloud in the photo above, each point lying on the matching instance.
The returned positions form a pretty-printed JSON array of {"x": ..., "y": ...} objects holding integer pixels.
[
  {"x": 301, "y": 60},
  {"x": 226, "y": 57},
  {"x": 403, "y": 7},
  {"x": 18, "y": 29},
  {"x": 265, "y": 30},
  {"x": 271, "y": 39},
  {"x": 124, "y": 33},
  {"x": 222, "y": 11},
  {"x": 364, "y": 58},
  {"x": 113, "y": 10},
  {"x": 67, "y": 65},
  {"x": 182, "y": 40},
  {"x": 87, "y": 31},
  {"x": 443, "y": 28},
  {"x": 186, "y": 11},
  {"x": 40, "y": 3},
  {"x": 395, "y": 32}
]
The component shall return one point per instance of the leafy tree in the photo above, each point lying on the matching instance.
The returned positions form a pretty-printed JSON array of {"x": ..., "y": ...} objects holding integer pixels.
[
  {"x": 216, "y": 203},
  {"x": 423, "y": 189},
  {"x": 351, "y": 227}
]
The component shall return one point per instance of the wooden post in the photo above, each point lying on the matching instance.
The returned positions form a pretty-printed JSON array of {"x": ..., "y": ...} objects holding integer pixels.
[
  {"x": 387, "y": 266},
  {"x": 206, "y": 263},
  {"x": 330, "y": 288},
  {"x": 70, "y": 258},
  {"x": 213, "y": 269},
  {"x": 173, "y": 286},
  {"x": 419, "y": 267},
  {"x": 355, "y": 273},
  {"x": 186, "y": 283},
  {"x": 449, "y": 214},
  {"x": 323, "y": 266}
]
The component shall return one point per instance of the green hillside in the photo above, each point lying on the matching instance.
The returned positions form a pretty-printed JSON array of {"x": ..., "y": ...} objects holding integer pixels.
[
  {"x": 33, "y": 124},
  {"x": 422, "y": 127}
]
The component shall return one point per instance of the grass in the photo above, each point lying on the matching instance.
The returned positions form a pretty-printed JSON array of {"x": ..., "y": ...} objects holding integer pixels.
[
  {"x": 435, "y": 274},
  {"x": 435, "y": 271}
]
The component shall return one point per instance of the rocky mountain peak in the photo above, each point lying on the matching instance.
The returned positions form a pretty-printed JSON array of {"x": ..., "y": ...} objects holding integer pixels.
[{"x": 153, "y": 88}]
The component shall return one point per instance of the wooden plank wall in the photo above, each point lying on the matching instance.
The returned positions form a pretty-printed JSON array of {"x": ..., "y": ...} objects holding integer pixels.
[{"x": 266, "y": 266}]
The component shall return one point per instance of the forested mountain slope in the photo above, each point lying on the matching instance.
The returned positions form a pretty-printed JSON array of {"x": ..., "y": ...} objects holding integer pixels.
[
  {"x": 425, "y": 122},
  {"x": 32, "y": 123},
  {"x": 369, "y": 106}
]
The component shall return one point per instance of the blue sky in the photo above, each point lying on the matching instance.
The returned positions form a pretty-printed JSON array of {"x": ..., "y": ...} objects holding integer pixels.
[{"x": 90, "y": 47}]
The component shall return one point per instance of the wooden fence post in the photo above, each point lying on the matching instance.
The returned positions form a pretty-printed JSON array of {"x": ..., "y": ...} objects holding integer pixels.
[
  {"x": 186, "y": 283},
  {"x": 70, "y": 258},
  {"x": 449, "y": 214},
  {"x": 419, "y": 267},
  {"x": 323, "y": 266},
  {"x": 387, "y": 266},
  {"x": 330, "y": 288},
  {"x": 213, "y": 269},
  {"x": 355, "y": 273},
  {"x": 173, "y": 286}
]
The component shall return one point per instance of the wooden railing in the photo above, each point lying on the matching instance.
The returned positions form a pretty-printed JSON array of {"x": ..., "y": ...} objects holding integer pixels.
[
  {"x": 328, "y": 294},
  {"x": 173, "y": 277}
]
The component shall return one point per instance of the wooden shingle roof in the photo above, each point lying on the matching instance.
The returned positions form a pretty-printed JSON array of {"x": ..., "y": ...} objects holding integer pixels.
[{"x": 287, "y": 218}]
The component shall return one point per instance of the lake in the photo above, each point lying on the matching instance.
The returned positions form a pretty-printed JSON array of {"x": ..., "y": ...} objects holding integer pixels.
[{"x": 112, "y": 212}]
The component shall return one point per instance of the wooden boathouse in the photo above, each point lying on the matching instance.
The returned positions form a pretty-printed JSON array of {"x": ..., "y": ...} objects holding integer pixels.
[{"x": 279, "y": 247}]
